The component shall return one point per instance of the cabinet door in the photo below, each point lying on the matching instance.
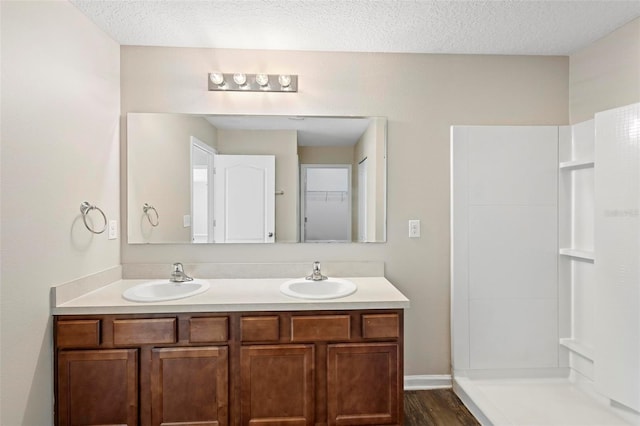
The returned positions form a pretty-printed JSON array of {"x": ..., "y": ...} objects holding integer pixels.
[
  {"x": 363, "y": 384},
  {"x": 98, "y": 387},
  {"x": 277, "y": 385},
  {"x": 190, "y": 386}
]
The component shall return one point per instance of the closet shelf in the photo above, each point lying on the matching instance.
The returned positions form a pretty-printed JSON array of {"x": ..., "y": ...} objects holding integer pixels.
[
  {"x": 578, "y": 254},
  {"x": 576, "y": 164},
  {"x": 578, "y": 347}
]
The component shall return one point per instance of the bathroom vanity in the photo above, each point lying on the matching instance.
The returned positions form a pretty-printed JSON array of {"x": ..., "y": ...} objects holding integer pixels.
[{"x": 213, "y": 360}]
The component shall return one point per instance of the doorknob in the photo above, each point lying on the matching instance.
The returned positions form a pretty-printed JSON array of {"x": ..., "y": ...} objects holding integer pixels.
[{"x": 270, "y": 234}]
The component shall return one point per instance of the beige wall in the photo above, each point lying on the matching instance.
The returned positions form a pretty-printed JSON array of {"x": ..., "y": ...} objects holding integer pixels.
[
  {"x": 606, "y": 74},
  {"x": 60, "y": 146},
  {"x": 282, "y": 144},
  {"x": 158, "y": 173},
  {"x": 325, "y": 154},
  {"x": 421, "y": 96}
]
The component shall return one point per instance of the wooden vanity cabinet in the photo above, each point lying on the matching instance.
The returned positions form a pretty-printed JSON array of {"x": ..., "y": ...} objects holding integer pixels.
[
  {"x": 142, "y": 370},
  {"x": 277, "y": 385},
  {"x": 319, "y": 368},
  {"x": 97, "y": 387}
]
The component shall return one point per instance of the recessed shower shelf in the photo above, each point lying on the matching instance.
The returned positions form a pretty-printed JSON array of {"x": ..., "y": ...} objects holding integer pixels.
[
  {"x": 574, "y": 345},
  {"x": 578, "y": 254},
  {"x": 576, "y": 164}
]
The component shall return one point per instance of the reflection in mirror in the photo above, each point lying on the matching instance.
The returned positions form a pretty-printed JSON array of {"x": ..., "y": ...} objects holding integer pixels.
[{"x": 256, "y": 179}]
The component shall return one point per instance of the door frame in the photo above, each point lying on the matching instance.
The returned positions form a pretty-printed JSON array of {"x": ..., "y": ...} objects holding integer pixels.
[
  {"x": 212, "y": 152},
  {"x": 363, "y": 200}
]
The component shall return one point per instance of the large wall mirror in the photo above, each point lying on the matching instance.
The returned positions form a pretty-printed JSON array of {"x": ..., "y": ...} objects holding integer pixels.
[{"x": 255, "y": 179}]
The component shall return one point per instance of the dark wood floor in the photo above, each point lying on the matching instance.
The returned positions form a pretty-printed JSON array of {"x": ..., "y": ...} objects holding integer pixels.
[{"x": 439, "y": 407}]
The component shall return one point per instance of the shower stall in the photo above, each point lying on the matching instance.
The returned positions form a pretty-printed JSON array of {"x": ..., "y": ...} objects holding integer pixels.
[{"x": 545, "y": 296}]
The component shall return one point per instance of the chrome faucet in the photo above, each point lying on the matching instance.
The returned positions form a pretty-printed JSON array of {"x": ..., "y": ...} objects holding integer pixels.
[
  {"x": 178, "y": 275},
  {"x": 316, "y": 275}
]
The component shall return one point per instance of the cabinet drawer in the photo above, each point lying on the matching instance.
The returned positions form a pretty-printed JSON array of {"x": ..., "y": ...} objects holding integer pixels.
[
  {"x": 380, "y": 326},
  {"x": 78, "y": 333},
  {"x": 260, "y": 329},
  {"x": 144, "y": 331},
  {"x": 204, "y": 330},
  {"x": 320, "y": 328}
]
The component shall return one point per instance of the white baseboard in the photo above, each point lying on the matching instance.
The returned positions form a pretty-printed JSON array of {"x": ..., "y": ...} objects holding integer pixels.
[{"x": 426, "y": 382}]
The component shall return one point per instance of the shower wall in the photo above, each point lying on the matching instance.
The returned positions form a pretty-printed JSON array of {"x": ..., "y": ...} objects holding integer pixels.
[
  {"x": 504, "y": 249},
  {"x": 545, "y": 248},
  {"x": 617, "y": 250}
]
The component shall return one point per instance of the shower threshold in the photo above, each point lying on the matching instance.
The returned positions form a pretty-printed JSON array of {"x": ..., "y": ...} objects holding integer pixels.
[{"x": 538, "y": 402}]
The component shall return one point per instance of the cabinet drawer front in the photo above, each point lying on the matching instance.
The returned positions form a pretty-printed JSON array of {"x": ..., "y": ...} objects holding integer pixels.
[
  {"x": 380, "y": 326},
  {"x": 144, "y": 331},
  {"x": 78, "y": 333},
  {"x": 204, "y": 330},
  {"x": 320, "y": 328},
  {"x": 260, "y": 329}
]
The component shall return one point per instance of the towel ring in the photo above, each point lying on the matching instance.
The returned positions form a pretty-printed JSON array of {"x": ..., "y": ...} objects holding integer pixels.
[
  {"x": 85, "y": 208},
  {"x": 146, "y": 209}
]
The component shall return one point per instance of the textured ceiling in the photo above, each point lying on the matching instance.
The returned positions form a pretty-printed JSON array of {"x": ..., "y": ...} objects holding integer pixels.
[{"x": 550, "y": 27}]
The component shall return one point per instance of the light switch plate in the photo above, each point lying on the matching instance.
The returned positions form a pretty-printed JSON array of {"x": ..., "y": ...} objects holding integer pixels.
[
  {"x": 186, "y": 220},
  {"x": 414, "y": 228},
  {"x": 113, "y": 229}
]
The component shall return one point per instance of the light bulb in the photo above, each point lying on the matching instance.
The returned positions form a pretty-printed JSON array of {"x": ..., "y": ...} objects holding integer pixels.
[
  {"x": 217, "y": 78},
  {"x": 284, "y": 80},
  {"x": 262, "y": 79},
  {"x": 240, "y": 79}
]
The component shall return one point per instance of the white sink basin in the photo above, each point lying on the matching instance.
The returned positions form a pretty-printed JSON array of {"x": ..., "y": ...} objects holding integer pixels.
[
  {"x": 158, "y": 291},
  {"x": 331, "y": 288}
]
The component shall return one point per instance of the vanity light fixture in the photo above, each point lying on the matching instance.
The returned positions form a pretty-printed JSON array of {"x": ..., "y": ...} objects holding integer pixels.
[
  {"x": 284, "y": 80},
  {"x": 217, "y": 78},
  {"x": 240, "y": 79},
  {"x": 241, "y": 82},
  {"x": 262, "y": 80}
]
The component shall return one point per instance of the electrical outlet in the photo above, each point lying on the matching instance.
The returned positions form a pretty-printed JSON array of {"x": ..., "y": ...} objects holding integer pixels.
[
  {"x": 414, "y": 228},
  {"x": 113, "y": 229}
]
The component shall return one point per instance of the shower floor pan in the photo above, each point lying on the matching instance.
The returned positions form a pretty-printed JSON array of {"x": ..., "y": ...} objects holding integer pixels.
[{"x": 537, "y": 402}]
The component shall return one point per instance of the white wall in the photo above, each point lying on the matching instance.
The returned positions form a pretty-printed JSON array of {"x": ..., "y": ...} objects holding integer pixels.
[
  {"x": 60, "y": 146},
  {"x": 435, "y": 92}
]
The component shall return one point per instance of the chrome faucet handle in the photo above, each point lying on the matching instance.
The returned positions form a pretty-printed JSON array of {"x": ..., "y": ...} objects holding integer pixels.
[
  {"x": 316, "y": 275},
  {"x": 178, "y": 275}
]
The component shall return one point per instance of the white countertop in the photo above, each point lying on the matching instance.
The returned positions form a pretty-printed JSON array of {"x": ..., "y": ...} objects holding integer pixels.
[{"x": 233, "y": 295}]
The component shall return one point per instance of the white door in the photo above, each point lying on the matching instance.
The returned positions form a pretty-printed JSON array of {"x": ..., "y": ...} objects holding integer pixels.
[
  {"x": 244, "y": 193},
  {"x": 326, "y": 203},
  {"x": 362, "y": 200},
  {"x": 201, "y": 219}
]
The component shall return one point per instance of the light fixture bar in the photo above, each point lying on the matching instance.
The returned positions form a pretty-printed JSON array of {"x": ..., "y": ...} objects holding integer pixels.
[{"x": 240, "y": 82}]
